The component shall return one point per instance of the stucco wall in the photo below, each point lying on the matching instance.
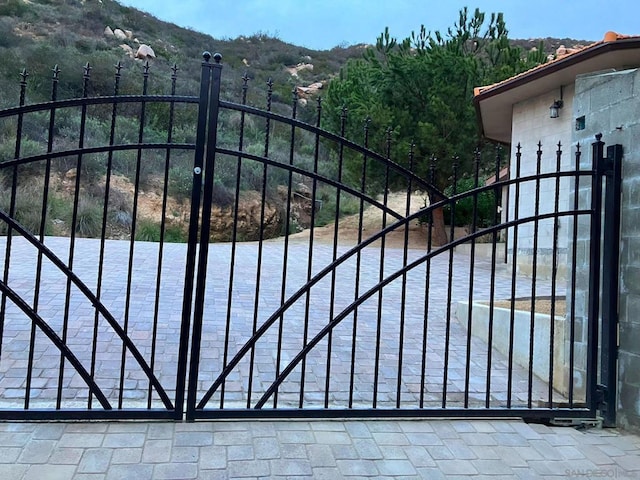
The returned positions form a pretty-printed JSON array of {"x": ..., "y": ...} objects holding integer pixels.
[
  {"x": 532, "y": 125},
  {"x": 610, "y": 104}
]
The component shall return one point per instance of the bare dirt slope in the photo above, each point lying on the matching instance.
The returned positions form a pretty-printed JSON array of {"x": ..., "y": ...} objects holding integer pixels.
[{"x": 373, "y": 220}]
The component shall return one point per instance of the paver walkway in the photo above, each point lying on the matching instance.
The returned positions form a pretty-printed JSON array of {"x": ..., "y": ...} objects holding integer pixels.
[
  {"x": 352, "y": 366},
  {"x": 269, "y": 449},
  {"x": 411, "y": 449}
]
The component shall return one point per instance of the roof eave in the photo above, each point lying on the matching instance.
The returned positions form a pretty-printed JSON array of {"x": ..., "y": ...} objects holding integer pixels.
[
  {"x": 552, "y": 67},
  {"x": 544, "y": 71}
]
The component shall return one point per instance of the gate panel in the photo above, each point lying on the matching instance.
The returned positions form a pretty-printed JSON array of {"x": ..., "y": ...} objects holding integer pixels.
[
  {"x": 351, "y": 319},
  {"x": 88, "y": 321},
  {"x": 271, "y": 268}
]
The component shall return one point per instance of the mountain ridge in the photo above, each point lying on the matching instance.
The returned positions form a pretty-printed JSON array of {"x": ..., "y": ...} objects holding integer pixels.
[{"x": 36, "y": 34}]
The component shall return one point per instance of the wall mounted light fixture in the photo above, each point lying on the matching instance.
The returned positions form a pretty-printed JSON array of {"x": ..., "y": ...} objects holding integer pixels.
[{"x": 554, "y": 109}]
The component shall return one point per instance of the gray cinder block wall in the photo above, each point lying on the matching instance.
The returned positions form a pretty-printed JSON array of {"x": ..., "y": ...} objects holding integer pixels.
[{"x": 610, "y": 104}]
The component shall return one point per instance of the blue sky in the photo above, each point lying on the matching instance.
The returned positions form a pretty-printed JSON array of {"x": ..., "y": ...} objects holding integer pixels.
[{"x": 329, "y": 23}]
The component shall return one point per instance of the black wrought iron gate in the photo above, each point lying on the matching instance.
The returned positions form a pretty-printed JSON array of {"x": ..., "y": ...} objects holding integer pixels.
[{"x": 158, "y": 273}]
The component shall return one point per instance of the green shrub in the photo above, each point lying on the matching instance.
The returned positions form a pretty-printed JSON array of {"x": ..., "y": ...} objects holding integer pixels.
[
  {"x": 147, "y": 230},
  {"x": 180, "y": 182},
  {"x": 59, "y": 207},
  {"x": 8, "y": 38},
  {"x": 28, "y": 206},
  {"x": 486, "y": 205},
  {"x": 175, "y": 234},
  {"x": 84, "y": 45},
  {"x": 13, "y": 8},
  {"x": 89, "y": 217},
  {"x": 326, "y": 206}
]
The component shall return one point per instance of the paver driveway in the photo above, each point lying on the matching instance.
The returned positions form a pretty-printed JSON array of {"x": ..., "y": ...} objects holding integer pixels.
[{"x": 228, "y": 324}]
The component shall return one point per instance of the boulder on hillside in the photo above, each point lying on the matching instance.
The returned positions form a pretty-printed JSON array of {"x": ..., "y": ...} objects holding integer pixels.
[
  {"x": 128, "y": 50},
  {"x": 310, "y": 90},
  {"x": 108, "y": 32},
  {"x": 145, "y": 52},
  {"x": 293, "y": 71},
  {"x": 119, "y": 34}
]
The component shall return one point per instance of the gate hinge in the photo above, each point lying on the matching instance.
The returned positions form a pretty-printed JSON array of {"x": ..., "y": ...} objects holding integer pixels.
[{"x": 601, "y": 399}]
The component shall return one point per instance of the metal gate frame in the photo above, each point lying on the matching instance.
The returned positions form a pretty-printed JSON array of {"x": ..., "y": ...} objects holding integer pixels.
[
  {"x": 602, "y": 302},
  {"x": 602, "y": 347}
]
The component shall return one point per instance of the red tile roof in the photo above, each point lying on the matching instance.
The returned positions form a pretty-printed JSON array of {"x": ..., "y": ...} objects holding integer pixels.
[{"x": 562, "y": 53}]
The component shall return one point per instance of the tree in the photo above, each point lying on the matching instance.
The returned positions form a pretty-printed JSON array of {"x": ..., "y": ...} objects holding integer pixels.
[{"x": 422, "y": 88}]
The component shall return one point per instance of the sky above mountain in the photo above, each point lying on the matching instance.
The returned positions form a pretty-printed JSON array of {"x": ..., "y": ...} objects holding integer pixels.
[{"x": 324, "y": 25}]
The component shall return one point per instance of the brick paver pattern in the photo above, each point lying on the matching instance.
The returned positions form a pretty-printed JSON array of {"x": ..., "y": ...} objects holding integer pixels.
[
  {"x": 399, "y": 328},
  {"x": 411, "y": 449}
]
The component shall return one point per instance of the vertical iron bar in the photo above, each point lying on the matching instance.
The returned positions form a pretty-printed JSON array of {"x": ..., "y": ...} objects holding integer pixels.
[
  {"x": 192, "y": 245},
  {"x": 376, "y": 374},
  {"x": 514, "y": 276},
  {"x": 594, "y": 271},
  {"x": 610, "y": 276},
  {"x": 285, "y": 257},
  {"x": 201, "y": 274},
  {"x": 263, "y": 201},
  {"x": 574, "y": 270},
  {"x": 354, "y": 333},
  {"x": 336, "y": 227},
  {"x": 103, "y": 231},
  {"x": 492, "y": 288},
  {"x": 472, "y": 262},
  {"x": 505, "y": 209},
  {"x": 234, "y": 239},
  {"x": 12, "y": 203},
  {"x": 554, "y": 273},
  {"x": 307, "y": 306},
  {"x": 72, "y": 234},
  {"x": 449, "y": 285},
  {"x": 163, "y": 220},
  {"x": 427, "y": 283},
  {"x": 534, "y": 273},
  {"x": 41, "y": 234},
  {"x": 403, "y": 295},
  {"x": 132, "y": 240}
]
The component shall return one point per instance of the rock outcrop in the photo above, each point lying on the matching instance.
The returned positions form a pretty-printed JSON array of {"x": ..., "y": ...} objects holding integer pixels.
[
  {"x": 248, "y": 222},
  {"x": 294, "y": 71},
  {"x": 311, "y": 89},
  {"x": 119, "y": 34},
  {"x": 145, "y": 52},
  {"x": 128, "y": 50}
]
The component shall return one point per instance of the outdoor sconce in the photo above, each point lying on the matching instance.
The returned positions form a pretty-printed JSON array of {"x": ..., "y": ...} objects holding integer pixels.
[{"x": 554, "y": 109}]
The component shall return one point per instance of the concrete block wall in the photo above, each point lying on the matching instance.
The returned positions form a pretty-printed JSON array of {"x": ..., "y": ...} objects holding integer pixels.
[{"x": 610, "y": 104}]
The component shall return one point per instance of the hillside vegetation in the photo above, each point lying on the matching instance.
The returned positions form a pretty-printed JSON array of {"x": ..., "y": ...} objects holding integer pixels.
[{"x": 36, "y": 35}]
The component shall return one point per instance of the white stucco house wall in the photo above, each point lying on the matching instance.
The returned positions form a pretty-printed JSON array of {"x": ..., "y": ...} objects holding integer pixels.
[{"x": 516, "y": 112}]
